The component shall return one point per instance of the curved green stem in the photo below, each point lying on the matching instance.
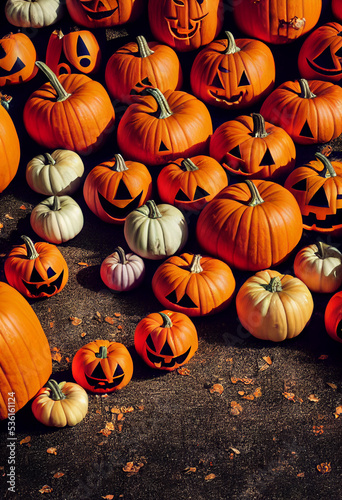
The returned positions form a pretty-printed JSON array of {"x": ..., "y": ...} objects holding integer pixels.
[
  {"x": 153, "y": 210},
  {"x": 321, "y": 249},
  {"x": 328, "y": 170},
  {"x": 232, "y": 48},
  {"x": 274, "y": 285},
  {"x": 122, "y": 256},
  {"x": 5, "y": 100},
  {"x": 48, "y": 159},
  {"x": 56, "y": 204},
  {"x": 144, "y": 49},
  {"x": 195, "y": 264},
  {"x": 56, "y": 392},
  {"x": 164, "y": 108},
  {"x": 188, "y": 165},
  {"x": 305, "y": 91},
  {"x": 167, "y": 323},
  {"x": 32, "y": 253},
  {"x": 102, "y": 354},
  {"x": 259, "y": 129},
  {"x": 256, "y": 198},
  {"x": 120, "y": 165},
  {"x": 62, "y": 94}
]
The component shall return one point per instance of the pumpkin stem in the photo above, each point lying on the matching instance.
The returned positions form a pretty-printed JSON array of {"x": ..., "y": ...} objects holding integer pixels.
[
  {"x": 5, "y": 100},
  {"x": 274, "y": 285},
  {"x": 102, "y": 354},
  {"x": 232, "y": 48},
  {"x": 259, "y": 129},
  {"x": 62, "y": 95},
  {"x": 195, "y": 264},
  {"x": 305, "y": 91},
  {"x": 144, "y": 49},
  {"x": 120, "y": 165},
  {"x": 188, "y": 165},
  {"x": 56, "y": 392},
  {"x": 153, "y": 210},
  {"x": 167, "y": 323},
  {"x": 256, "y": 198},
  {"x": 321, "y": 248},
  {"x": 56, "y": 204},
  {"x": 32, "y": 253},
  {"x": 164, "y": 108},
  {"x": 122, "y": 256},
  {"x": 48, "y": 159},
  {"x": 328, "y": 170}
]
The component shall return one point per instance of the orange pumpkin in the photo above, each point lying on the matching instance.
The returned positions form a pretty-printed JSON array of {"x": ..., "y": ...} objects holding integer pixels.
[
  {"x": 17, "y": 59},
  {"x": 9, "y": 144},
  {"x": 104, "y": 13},
  {"x": 333, "y": 317}
]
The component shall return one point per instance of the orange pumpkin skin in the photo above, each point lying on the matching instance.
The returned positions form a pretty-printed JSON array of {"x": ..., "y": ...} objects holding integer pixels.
[
  {"x": 104, "y": 13},
  {"x": 115, "y": 188},
  {"x": 166, "y": 340},
  {"x": 185, "y": 25},
  {"x": 102, "y": 366},
  {"x": 336, "y": 8},
  {"x": 194, "y": 285},
  {"x": 317, "y": 187},
  {"x": 18, "y": 57},
  {"x": 333, "y": 317},
  {"x": 309, "y": 110},
  {"x": 9, "y": 145},
  {"x": 276, "y": 21},
  {"x": 319, "y": 56},
  {"x": 250, "y": 147},
  {"x": 233, "y": 73},
  {"x": 190, "y": 183},
  {"x": 163, "y": 127},
  {"x": 138, "y": 65},
  {"x": 251, "y": 225},
  {"x": 26, "y": 362}
]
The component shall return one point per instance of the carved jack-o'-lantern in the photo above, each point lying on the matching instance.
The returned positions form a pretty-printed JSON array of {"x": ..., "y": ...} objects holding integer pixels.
[
  {"x": 36, "y": 270},
  {"x": 74, "y": 52},
  {"x": 320, "y": 56},
  {"x": 317, "y": 188},
  {"x": 114, "y": 188},
  {"x": 185, "y": 24},
  {"x": 17, "y": 59},
  {"x": 102, "y": 366},
  {"x": 166, "y": 340},
  {"x": 104, "y": 13}
]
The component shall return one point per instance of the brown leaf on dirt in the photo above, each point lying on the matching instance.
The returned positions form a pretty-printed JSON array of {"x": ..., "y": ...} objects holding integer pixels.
[
  {"x": 189, "y": 470},
  {"x": 324, "y": 467},
  {"x": 52, "y": 324},
  {"x": 313, "y": 398},
  {"x": 109, "y": 320},
  {"x": 267, "y": 359},
  {"x": 56, "y": 354},
  {"x": 115, "y": 410},
  {"x": 117, "y": 315},
  {"x": 98, "y": 316},
  {"x": 108, "y": 497},
  {"x": 83, "y": 334},
  {"x": 183, "y": 371},
  {"x": 57, "y": 475},
  {"x": 317, "y": 429},
  {"x": 257, "y": 393},
  {"x": 289, "y": 395},
  {"x": 236, "y": 408},
  {"x": 244, "y": 380},
  {"x": 75, "y": 321},
  {"x": 210, "y": 477},
  {"x": 22, "y": 207},
  {"x": 323, "y": 356},
  {"x": 119, "y": 327},
  {"x": 45, "y": 489},
  {"x": 217, "y": 388},
  {"x": 26, "y": 440},
  {"x": 141, "y": 407},
  {"x": 126, "y": 409},
  {"x": 82, "y": 264},
  {"x": 332, "y": 385},
  {"x": 52, "y": 451},
  {"x": 338, "y": 411},
  {"x": 300, "y": 474},
  {"x": 120, "y": 417},
  {"x": 132, "y": 468},
  {"x": 249, "y": 397},
  {"x": 110, "y": 426},
  {"x": 106, "y": 432},
  {"x": 1, "y": 226},
  {"x": 326, "y": 150},
  {"x": 235, "y": 450},
  {"x": 8, "y": 216}
]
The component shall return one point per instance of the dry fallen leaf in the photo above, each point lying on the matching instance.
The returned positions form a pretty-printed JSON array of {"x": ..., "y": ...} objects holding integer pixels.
[
  {"x": 83, "y": 334},
  {"x": 132, "y": 468},
  {"x": 108, "y": 497},
  {"x": 117, "y": 315},
  {"x": 313, "y": 398},
  {"x": 189, "y": 470},
  {"x": 317, "y": 429},
  {"x": 8, "y": 216},
  {"x": 249, "y": 397},
  {"x": 257, "y": 393},
  {"x": 22, "y": 207},
  {"x": 1, "y": 226},
  {"x": 52, "y": 451},
  {"x": 126, "y": 409},
  {"x": 217, "y": 388},
  {"x": 58, "y": 475},
  {"x": 236, "y": 451},
  {"x": 332, "y": 385},
  {"x": 236, "y": 408},
  {"x": 109, "y": 320},
  {"x": 338, "y": 411},
  {"x": 119, "y": 327},
  {"x": 301, "y": 474},
  {"x": 46, "y": 489},
  {"x": 26, "y": 440},
  {"x": 106, "y": 432},
  {"x": 245, "y": 380},
  {"x": 82, "y": 264},
  {"x": 323, "y": 356},
  {"x": 75, "y": 321},
  {"x": 183, "y": 371},
  {"x": 324, "y": 467},
  {"x": 56, "y": 355},
  {"x": 210, "y": 477}
]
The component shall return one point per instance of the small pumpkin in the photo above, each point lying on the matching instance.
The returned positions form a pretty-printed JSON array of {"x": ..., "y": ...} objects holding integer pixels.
[
  {"x": 25, "y": 362},
  {"x": 162, "y": 127},
  {"x": 59, "y": 405},
  {"x": 141, "y": 64},
  {"x": 17, "y": 59},
  {"x": 57, "y": 219},
  {"x": 122, "y": 272},
  {"x": 9, "y": 144},
  {"x": 273, "y": 306},
  {"x": 59, "y": 173},
  {"x": 333, "y": 317},
  {"x": 194, "y": 285},
  {"x": 116, "y": 187},
  {"x": 156, "y": 231},
  {"x": 34, "y": 14},
  {"x": 104, "y": 13},
  {"x": 102, "y": 366},
  {"x": 190, "y": 183},
  {"x": 36, "y": 270},
  {"x": 250, "y": 147},
  {"x": 319, "y": 266},
  {"x": 166, "y": 340}
]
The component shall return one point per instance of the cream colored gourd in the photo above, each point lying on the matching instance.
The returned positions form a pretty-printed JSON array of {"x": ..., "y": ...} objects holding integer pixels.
[
  {"x": 58, "y": 173},
  {"x": 156, "y": 231},
  {"x": 34, "y": 13},
  {"x": 57, "y": 219},
  {"x": 319, "y": 266}
]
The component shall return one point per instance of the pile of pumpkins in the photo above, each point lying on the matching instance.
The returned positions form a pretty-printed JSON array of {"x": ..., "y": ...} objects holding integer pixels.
[{"x": 251, "y": 223}]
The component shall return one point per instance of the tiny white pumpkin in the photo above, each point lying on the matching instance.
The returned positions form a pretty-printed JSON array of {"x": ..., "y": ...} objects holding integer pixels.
[
  {"x": 319, "y": 266},
  {"x": 122, "y": 272},
  {"x": 156, "y": 231},
  {"x": 34, "y": 13},
  {"x": 57, "y": 219},
  {"x": 58, "y": 173}
]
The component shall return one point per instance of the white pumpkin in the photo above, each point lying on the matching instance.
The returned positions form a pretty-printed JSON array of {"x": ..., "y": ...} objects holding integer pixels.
[
  {"x": 156, "y": 231},
  {"x": 58, "y": 173},
  {"x": 57, "y": 219},
  {"x": 122, "y": 272},
  {"x": 34, "y": 13},
  {"x": 319, "y": 266}
]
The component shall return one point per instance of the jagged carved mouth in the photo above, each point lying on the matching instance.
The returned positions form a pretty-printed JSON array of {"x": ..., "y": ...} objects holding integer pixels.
[
  {"x": 117, "y": 212},
  {"x": 162, "y": 362},
  {"x": 227, "y": 100},
  {"x": 184, "y": 33},
  {"x": 37, "y": 289}
]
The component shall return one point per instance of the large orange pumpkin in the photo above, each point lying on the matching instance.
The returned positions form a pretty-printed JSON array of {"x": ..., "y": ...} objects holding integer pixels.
[
  {"x": 25, "y": 362},
  {"x": 9, "y": 144},
  {"x": 251, "y": 225},
  {"x": 104, "y": 13}
]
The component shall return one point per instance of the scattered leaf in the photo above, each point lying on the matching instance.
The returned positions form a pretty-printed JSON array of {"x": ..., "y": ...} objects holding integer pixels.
[
  {"x": 82, "y": 264},
  {"x": 313, "y": 398},
  {"x": 98, "y": 316},
  {"x": 338, "y": 411},
  {"x": 26, "y": 440},
  {"x": 106, "y": 432},
  {"x": 117, "y": 315},
  {"x": 115, "y": 410},
  {"x": 236, "y": 408},
  {"x": 108, "y": 497},
  {"x": 257, "y": 393},
  {"x": 109, "y": 320},
  {"x": 237, "y": 452},
  {"x": 110, "y": 426},
  {"x": 132, "y": 468},
  {"x": 8, "y": 216},
  {"x": 317, "y": 429},
  {"x": 244, "y": 380},
  {"x": 210, "y": 477},
  {"x": 189, "y": 470},
  {"x": 323, "y": 356},
  {"x": 126, "y": 409},
  {"x": 289, "y": 395},
  {"x": 52, "y": 451},
  {"x": 56, "y": 355},
  {"x": 119, "y": 327},
  {"x": 324, "y": 467},
  {"x": 75, "y": 321},
  {"x": 46, "y": 489},
  {"x": 217, "y": 388},
  {"x": 183, "y": 371},
  {"x": 241, "y": 393},
  {"x": 120, "y": 417},
  {"x": 83, "y": 334},
  {"x": 267, "y": 359},
  {"x": 249, "y": 397},
  {"x": 300, "y": 474},
  {"x": 1, "y": 226},
  {"x": 22, "y": 207},
  {"x": 52, "y": 324},
  {"x": 57, "y": 475},
  {"x": 332, "y": 385}
]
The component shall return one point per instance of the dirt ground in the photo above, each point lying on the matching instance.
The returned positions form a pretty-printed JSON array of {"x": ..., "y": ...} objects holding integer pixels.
[{"x": 247, "y": 420}]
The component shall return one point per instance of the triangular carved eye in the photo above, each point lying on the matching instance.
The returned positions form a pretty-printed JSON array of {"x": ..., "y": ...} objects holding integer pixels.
[
  {"x": 36, "y": 277},
  {"x": 235, "y": 152},
  {"x": 185, "y": 301},
  {"x": 181, "y": 196},
  {"x": 267, "y": 159},
  {"x": 300, "y": 185},
  {"x": 146, "y": 81},
  {"x": 325, "y": 60},
  {"x": 217, "y": 82},
  {"x": 50, "y": 272},
  {"x": 3, "y": 53},
  {"x": 162, "y": 147},
  {"x": 319, "y": 199},
  {"x": 166, "y": 350},
  {"x": 306, "y": 131},
  {"x": 200, "y": 193},
  {"x": 17, "y": 66},
  {"x": 122, "y": 192},
  {"x": 243, "y": 80},
  {"x": 150, "y": 343},
  {"x": 118, "y": 371},
  {"x": 98, "y": 372},
  {"x": 81, "y": 50},
  {"x": 338, "y": 52}
]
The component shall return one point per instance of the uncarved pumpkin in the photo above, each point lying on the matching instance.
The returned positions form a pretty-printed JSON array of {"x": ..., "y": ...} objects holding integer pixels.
[
  {"x": 333, "y": 317},
  {"x": 9, "y": 144}
]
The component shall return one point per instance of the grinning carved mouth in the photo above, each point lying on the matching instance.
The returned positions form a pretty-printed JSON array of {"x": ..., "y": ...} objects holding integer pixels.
[
  {"x": 103, "y": 384},
  {"x": 160, "y": 362},
  {"x": 330, "y": 222},
  {"x": 44, "y": 289},
  {"x": 183, "y": 33},
  {"x": 97, "y": 16},
  {"x": 327, "y": 72},
  {"x": 227, "y": 100},
  {"x": 116, "y": 212}
]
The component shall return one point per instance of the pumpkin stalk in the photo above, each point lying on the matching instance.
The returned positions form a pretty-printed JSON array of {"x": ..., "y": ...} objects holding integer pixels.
[
  {"x": 48, "y": 159},
  {"x": 122, "y": 256},
  {"x": 120, "y": 165},
  {"x": 321, "y": 248},
  {"x": 56, "y": 204},
  {"x": 188, "y": 165},
  {"x": 305, "y": 91},
  {"x": 56, "y": 392},
  {"x": 259, "y": 129},
  {"x": 328, "y": 170},
  {"x": 102, "y": 354},
  {"x": 256, "y": 198},
  {"x": 32, "y": 253},
  {"x": 5, "y": 100},
  {"x": 232, "y": 48},
  {"x": 274, "y": 285},
  {"x": 144, "y": 49},
  {"x": 195, "y": 264},
  {"x": 164, "y": 108},
  {"x": 62, "y": 94},
  {"x": 153, "y": 210},
  {"x": 167, "y": 323}
]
